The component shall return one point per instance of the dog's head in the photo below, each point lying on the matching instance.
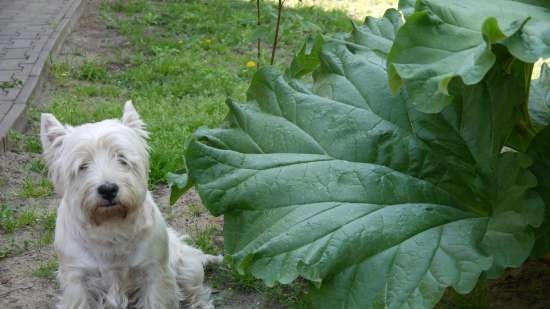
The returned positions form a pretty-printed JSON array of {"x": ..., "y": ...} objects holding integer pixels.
[{"x": 101, "y": 168}]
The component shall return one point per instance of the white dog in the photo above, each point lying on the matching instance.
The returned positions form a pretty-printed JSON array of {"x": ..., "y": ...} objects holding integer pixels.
[{"x": 115, "y": 250}]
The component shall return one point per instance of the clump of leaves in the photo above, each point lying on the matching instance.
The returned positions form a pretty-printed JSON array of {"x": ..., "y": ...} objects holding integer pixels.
[{"x": 385, "y": 194}]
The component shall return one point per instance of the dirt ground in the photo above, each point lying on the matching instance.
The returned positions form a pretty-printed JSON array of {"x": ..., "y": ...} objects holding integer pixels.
[{"x": 524, "y": 288}]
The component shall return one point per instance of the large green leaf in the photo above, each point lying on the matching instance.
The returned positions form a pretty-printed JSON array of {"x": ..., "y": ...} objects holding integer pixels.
[
  {"x": 352, "y": 188},
  {"x": 448, "y": 39},
  {"x": 539, "y": 150}
]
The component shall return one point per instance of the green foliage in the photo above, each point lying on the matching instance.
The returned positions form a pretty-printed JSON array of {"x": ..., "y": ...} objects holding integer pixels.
[
  {"x": 49, "y": 221},
  {"x": 46, "y": 270},
  {"x": 539, "y": 150},
  {"x": 205, "y": 239},
  {"x": 22, "y": 142},
  {"x": 92, "y": 71},
  {"x": 8, "y": 223},
  {"x": 426, "y": 60},
  {"x": 13, "y": 83},
  {"x": 13, "y": 247},
  {"x": 363, "y": 193},
  {"x": 10, "y": 220},
  {"x": 27, "y": 217},
  {"x": 38, "y": 166},
  {"x": 36, "y": 188}
]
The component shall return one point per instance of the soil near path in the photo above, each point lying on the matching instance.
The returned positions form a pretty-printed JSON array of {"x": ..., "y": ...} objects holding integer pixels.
[{"x": 524, "y": 288}]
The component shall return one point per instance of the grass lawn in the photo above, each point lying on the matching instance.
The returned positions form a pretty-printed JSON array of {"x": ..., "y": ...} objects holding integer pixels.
[{"x": 184, "y": 59}]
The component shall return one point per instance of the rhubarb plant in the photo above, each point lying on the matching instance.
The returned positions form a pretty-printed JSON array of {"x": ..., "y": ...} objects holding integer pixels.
[{"x": 404, "y": 168}]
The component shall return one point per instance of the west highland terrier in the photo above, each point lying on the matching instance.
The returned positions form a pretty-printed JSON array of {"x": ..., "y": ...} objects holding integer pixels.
[{"x": 115, "y": 250}]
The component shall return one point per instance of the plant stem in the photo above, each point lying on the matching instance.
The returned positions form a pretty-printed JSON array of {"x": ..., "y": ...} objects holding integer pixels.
[
  {"x": 258, "y": 43},
  {"x": 275, "y": 40}
]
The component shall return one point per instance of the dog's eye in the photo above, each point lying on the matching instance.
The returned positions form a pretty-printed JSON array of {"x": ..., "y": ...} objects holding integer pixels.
[
  {"x": 122, "y": 159},
  {"x": 83, "y": 166}
]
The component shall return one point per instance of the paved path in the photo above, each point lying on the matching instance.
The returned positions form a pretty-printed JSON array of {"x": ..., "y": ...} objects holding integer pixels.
[{"x": 29, "y": 31}]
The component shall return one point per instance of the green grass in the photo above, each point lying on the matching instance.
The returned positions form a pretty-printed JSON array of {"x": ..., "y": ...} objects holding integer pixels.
[
  {"x": 26, "y": 218},
  {"x": 291, "y": 296},
  {"x": 32, "y": 188},
  {"x": 24, "y": 143},
  {"x": 14, "y": 247},
  {"x": 40, "y": 222},
  {"x": 195, "y": 210},
  {"x": 92, "y": 70},
  {"x": 8, "y": 222},
  {"x": 46, "y": 270},
  {"x": 185, "y": 58},
  {"x": 14, "y": 83},
  {"x": 48, "y": 220},
  {"x": 48, "y": 223},
  {"x": 38, "y": 166},
  {"x": 205, "y": 239}
]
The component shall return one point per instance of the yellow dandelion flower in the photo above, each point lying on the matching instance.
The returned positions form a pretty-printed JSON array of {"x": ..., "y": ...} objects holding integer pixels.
[{"x": 251, "y": 64}]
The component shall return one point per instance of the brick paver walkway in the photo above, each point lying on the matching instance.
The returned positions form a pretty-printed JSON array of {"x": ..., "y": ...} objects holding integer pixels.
[{"x": 29, "y": 31}]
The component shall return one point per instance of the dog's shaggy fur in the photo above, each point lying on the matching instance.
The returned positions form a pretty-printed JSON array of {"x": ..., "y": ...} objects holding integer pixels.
[{"x": 115, "y": 250}]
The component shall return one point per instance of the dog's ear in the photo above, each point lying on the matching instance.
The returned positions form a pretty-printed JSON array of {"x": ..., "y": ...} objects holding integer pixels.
[
  {"x": 131, "y": 119},
  {"x": 51, "y": 131}
]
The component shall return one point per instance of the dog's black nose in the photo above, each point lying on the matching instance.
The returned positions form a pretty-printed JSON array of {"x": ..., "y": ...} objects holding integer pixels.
[{"x": 108, "y": 191}]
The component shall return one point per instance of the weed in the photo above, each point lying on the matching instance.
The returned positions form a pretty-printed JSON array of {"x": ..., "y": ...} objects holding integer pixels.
[
  {"x": 61, "y": 72},
  {"x": 227, "y": 277},
  {"x": 92, "y": 70},
  {"x": 206, "y": 239},
  {"x": 38, "y": 166},
  {"x": 97, "y": 91},
  {"x": 48, "y": 221},
  {"x": 47, "y": 238},
  {"x": 33, "y": 144},
  {"x": 14, "y": 247},
  {"x": 129, "y": 7},
  {"x": 24, "y": 143},
  {"x": 46, "y": 270},
  {"x": 294, "y": 295},
  {"x": 8, "y": 222},
  {"x": 9, "y": 249},
  {"x": 41, "y": 188},
  {"x": 14, "y": 83},
  {"x": 150, "y": 18},
  {"x": 27, "y": 217},
  {"x": 195, "y": 210}
]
